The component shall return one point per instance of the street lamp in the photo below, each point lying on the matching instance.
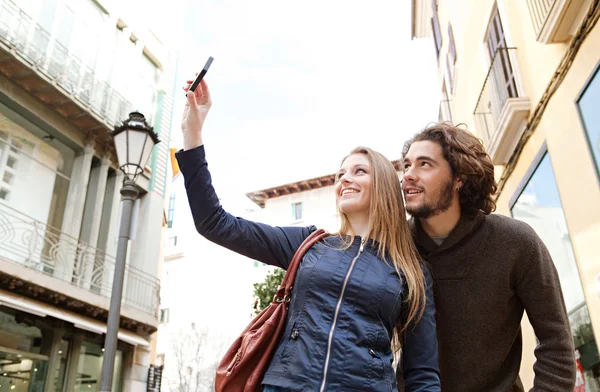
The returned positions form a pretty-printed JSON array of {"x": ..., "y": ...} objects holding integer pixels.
[{"x": 134, "y": 140}]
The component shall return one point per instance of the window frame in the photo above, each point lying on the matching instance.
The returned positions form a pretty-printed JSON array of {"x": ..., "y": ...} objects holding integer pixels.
[
  {"x": 435, "y": 22},
  {"x": 295, "y": 206},
  {"x": 595, "y": 73}
]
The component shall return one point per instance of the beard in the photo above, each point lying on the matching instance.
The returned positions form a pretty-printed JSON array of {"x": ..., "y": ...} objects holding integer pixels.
[{"x": 441, "y": 204}]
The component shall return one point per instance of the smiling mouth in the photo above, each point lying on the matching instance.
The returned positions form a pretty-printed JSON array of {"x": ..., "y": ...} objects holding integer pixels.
[
  {"x": 412, "y": 192},
  {"x": 348, "y": 191}
]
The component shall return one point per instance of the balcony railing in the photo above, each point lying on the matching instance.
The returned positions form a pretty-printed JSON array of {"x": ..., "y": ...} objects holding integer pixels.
[
  {"x": 499, "y": 85},
  {"x": 35, "y": 45},
  {"x": 539, "y": 11},
  {"x": 500, "y": 110},
  {"x": 35, "y": 245}
]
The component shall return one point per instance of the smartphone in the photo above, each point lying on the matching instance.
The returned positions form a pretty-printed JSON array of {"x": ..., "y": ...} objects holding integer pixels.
[{"x": 201, "y": 74}]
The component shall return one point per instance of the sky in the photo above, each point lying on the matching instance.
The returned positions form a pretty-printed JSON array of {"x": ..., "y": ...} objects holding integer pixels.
[{"x": 297, "y": 85}]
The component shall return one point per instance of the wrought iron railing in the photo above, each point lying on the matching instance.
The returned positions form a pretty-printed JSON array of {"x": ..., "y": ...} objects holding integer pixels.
[
  {"x": 35, "y": 45},
  {"x": 38, "y": 246},
  {"x": 498, "y": 87},
  {"x": 539, "y": 11}
]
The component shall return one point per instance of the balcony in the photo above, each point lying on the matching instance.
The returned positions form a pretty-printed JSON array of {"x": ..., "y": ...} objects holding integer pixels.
[
  {"x": 40, "y": 261},
  {"x": 46, "y": 69},
  {"x": 555, "y": 20},
  {"x": 500, "y": 113}
]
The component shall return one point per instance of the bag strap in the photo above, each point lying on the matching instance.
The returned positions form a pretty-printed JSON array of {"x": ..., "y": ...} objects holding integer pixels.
[{"x": 284, "y": 291}]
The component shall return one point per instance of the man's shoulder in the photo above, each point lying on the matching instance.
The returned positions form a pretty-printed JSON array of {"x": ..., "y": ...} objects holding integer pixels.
[{"x": 511, "y": 228}]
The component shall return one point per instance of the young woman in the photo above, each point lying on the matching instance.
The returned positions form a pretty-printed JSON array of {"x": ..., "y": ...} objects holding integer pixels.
[{"x": 359, "y": 295}]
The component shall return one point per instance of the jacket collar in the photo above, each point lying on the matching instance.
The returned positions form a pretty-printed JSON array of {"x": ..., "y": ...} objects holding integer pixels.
[{"x": 465, "y": 226}]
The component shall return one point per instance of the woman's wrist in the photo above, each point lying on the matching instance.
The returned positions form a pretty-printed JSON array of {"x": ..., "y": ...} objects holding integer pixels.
[{"x": 192, "y": 141}]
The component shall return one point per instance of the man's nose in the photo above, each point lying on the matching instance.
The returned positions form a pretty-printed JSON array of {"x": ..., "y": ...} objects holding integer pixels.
[{"x": 409, "y": 175}]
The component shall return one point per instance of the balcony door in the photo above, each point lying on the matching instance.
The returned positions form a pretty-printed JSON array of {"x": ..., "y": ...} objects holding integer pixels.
[{"x": 501, "y": 69}]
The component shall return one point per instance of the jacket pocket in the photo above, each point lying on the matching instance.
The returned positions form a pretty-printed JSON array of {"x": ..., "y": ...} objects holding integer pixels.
[
  {"x": 287, "y": 341},
  {"x": 382, "y": 367}
]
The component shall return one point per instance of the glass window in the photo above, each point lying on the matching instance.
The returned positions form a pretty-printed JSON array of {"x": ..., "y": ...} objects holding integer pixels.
[
  {"x": 19, "y": 331},
  {"x": 90, "y": 366},
  {"x": 435, "y": 25},
  {"x": 22, "y": 372},
  {"x": 22, "y": 364},
  {"x": 451, "y": 45},
  {"x": 297, "y": 211},
  {"x": 539, "y": 205},
  {"x": 61, "y": 370},
  {"x": 164, "y": 316},
  {"x": 590, "y": 115},
  {"x": 171, "y": 211}
]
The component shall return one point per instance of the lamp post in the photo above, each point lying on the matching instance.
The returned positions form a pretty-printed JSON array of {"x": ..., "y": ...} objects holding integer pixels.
[{"x": 134, "y": 140}]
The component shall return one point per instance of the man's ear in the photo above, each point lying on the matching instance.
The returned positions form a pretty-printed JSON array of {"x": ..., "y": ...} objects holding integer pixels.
[{"x": 458, "y": 182}]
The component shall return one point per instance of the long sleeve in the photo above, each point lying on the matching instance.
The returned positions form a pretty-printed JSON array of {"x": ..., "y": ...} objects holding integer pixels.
[
  {"x": 258, "y": 241},
  {"x": 420, "y": 352},
  {"x": 541, "y": 295}
]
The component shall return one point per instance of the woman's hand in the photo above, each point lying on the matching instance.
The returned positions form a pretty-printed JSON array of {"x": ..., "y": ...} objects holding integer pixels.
[{"x": 194, "y": 113}]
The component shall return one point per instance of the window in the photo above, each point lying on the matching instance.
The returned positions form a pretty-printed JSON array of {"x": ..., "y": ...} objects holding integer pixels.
[
  {"x": 89, "y": 367},
  {"x": 171, "y": 211},
  {"x": 590, "y": 116},
  {"x": 451, "y": 45},
  {"x": 539, "y": 205},
  {"x": 297, "y": 211},
  {"x": 61, "y": 369},
  {"x": 496, "y": 44},
  {"x": 451, "y": 60},
  {"x": 172, "y": 242},
  {"x": 164, "y": 316},
  {"x": 435, "y": 25},
  {"x": 445, "y": 113}
]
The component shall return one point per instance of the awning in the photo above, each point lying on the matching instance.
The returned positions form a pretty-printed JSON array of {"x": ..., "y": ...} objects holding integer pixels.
[{"x": 41, "y": 309}]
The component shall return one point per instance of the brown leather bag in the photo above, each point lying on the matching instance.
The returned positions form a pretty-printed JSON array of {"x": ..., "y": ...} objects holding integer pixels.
[{"x": 245, "y": 363}]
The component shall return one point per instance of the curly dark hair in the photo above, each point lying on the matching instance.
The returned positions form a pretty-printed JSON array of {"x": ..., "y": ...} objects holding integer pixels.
[{"x": 468, "y": 159}]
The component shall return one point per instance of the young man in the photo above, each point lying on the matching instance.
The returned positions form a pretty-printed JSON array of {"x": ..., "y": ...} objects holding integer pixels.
[{"x": 487, "y": 270}]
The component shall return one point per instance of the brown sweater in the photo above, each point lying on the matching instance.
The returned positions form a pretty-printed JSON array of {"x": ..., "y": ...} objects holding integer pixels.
[{"x": 486, "y": 273}]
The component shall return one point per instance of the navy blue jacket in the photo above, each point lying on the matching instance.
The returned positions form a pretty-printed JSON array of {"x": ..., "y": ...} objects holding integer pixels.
[{"x": 345, "y": 303}]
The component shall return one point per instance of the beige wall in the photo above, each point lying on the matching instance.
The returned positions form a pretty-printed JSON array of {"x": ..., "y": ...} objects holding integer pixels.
[{"x": 560, "y": 126}]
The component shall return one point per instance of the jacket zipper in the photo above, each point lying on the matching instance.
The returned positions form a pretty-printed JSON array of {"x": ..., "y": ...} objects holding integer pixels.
[{"x": 337, "y": 311}]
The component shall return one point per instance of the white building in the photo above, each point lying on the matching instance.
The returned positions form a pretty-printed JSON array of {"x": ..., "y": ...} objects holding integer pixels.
[
  {"x": 70, "y": 70},
  {"x": 207, "y": 291}
]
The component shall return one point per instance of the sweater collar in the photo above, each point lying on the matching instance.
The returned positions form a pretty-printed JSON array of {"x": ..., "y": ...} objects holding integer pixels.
[{"x": 466, "y": 225}]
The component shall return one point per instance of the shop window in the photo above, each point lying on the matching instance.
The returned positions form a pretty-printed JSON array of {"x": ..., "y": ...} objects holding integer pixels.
[
  {"x": 61, "y": 370},
  {"x": 539, "y": 205},
  {"x": 590, "y": 116},
  {"x": 90, "y": 366},
  {"x": 23, "y": 365}
]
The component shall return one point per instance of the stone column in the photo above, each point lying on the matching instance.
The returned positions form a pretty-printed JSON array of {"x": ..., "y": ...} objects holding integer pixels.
[
  {"x": 135, "y": 376},
  {"x": 73, "y": 217},
  {"x": 91, "y": 224},
  {"x": 107, "y": 239}
]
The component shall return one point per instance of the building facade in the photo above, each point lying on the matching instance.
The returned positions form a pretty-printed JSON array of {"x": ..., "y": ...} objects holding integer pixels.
[
  {"x": 523, "y": 76},
  {"x": 70, "y": 70}
]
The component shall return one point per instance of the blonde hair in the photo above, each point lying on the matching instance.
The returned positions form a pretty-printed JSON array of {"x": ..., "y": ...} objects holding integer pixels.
[{"x": 389, "y": 227}]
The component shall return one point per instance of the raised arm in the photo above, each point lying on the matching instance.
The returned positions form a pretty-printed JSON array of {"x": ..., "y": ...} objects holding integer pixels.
[
  {"x": 268, "y": 244},
  {"x": 420, "y": 352}
]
